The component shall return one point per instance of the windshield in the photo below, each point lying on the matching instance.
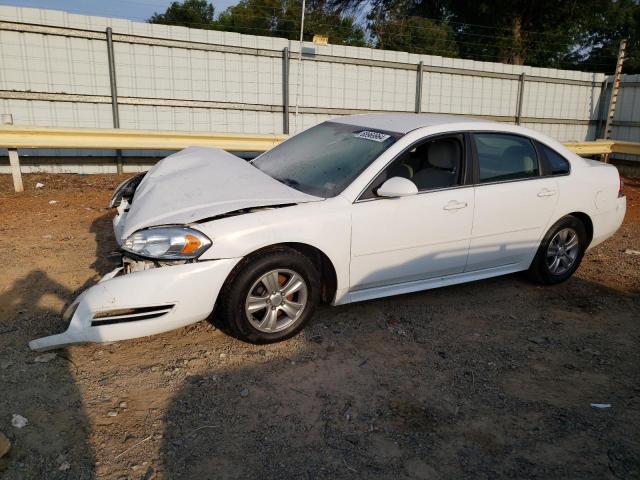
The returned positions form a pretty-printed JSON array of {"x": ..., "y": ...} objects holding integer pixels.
[{"x": 324, "y": 159}]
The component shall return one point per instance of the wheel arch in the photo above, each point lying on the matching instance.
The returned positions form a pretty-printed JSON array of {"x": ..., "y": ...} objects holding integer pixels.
[
  {"x": 587, "y": 222},
  {"x": 326, "y": 268}
]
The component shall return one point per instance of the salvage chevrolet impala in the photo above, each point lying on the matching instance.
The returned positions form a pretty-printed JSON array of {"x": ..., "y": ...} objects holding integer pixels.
[{"x": 352, "y": 209}]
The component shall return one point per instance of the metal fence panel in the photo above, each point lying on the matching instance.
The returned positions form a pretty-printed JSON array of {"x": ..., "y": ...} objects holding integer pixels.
[{"x": 54, "y": 72}]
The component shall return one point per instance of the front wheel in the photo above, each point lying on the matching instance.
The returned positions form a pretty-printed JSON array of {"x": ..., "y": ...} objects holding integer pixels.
[
  {"x": 271, "y": 296},
  {"x": 560, "y": 252}
]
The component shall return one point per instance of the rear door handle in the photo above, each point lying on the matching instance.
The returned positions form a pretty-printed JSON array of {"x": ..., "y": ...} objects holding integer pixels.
[
  {"x": 545, "y": 192},
  {"x": 454, "y": 205}
]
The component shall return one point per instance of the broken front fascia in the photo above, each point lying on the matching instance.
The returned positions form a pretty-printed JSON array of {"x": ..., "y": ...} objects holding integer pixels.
[
  {"x": 142, "y": 303},
  {"x": 180, "y": 190}
]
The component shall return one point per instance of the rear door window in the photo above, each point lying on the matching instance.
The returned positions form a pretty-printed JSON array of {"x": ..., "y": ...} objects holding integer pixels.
[{"x": 505, "y": 157}]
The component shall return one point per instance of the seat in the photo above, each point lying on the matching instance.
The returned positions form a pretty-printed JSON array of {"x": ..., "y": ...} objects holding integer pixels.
[
  {"x": 441, "y": 166},
  {"x": 400, "y": 169},
  {"x": 520, "y": 161}
]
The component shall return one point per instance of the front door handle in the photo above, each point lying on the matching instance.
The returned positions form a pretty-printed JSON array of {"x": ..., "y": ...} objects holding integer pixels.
[
  {"x": 454, "y": 205},
  {"x": 545, "y": 192}
]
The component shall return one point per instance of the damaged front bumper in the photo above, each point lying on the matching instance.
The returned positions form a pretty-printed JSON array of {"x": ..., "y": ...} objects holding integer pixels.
[{"x": 123, "y": 306}]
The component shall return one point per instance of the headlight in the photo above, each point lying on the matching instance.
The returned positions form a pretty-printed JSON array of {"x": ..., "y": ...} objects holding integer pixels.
[
  {"x": 126, "y": 190},
  {"x": 170, "y": 243}
]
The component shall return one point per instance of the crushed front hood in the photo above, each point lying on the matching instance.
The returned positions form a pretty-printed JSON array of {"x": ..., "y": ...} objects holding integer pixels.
[{"x": 200, "y": 182}]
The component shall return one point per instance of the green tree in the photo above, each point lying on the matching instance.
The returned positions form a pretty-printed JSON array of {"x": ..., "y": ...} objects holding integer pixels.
[
  {"x": 415, "y": 35},
  {"x": 282, "y": 19},
  {"x": 600, "y": 40},
  {"x": 539, "y": 32},
  {"x": 252, "y": 17},
  {"x": 549, "y": 33},
  {"x": 190, "y": 13}
]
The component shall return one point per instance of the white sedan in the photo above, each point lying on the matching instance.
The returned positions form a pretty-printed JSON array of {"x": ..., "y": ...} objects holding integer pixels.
[{"x": 355, "y": 208}]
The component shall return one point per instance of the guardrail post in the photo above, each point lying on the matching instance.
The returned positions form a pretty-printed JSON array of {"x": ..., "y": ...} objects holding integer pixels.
[
  {"x": 14, "y": 159},
  {"x": 114, "y": 93},
  {"x": 285, "y": 90},
  {"x": 419, "y": 87},
  {"x": 520, "y": 99}
]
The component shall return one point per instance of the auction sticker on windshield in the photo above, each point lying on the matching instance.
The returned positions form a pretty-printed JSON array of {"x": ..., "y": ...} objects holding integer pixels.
[{"x": 375, "y": 136}]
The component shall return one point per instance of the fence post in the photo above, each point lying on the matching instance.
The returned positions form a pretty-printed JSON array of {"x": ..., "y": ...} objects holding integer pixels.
[
  {"x": 520, "y": 99},
  {"x": 14, "y": 159},
  {"x": 419, "y": 88},
  {"x": 285, "y": 90},
  {"x": 603, "y": 97},
  {"x": 114, "y": 93}
]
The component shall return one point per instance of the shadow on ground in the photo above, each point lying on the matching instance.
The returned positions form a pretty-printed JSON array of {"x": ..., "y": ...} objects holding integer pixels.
[
  {"x": 485, "y": 380},
  {"x": 55, "y": 442}
]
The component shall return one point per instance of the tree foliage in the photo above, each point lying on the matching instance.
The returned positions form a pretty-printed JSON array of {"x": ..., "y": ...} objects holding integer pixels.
[
  {"x": 610, "y": 22},
  {"x": 581, "y": 34},
  {"x": 536, "y": 32},
  {"x": 278, "y": 18},
  {"x": 415, "y": 35},
  {"x": 190, "y": 13}
]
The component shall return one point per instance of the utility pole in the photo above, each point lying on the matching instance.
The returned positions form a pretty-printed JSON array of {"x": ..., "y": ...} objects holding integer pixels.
[
  {"x": 114, "y": 93},
  {"x": 299, "y": 63}
]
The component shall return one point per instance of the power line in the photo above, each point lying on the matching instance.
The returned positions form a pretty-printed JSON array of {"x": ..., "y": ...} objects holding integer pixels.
[
  {"x": 406, "y": 33},
  {"x": 255, "y": 3},
  {"x": 460, "y": 39},
  {"x": 436, "y": 28}
]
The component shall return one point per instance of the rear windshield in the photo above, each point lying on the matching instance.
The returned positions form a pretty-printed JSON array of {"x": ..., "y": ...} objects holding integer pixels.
[{"x": 325, "y": 159}]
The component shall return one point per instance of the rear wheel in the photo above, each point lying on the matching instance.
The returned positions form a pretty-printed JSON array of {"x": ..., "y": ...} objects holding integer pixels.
[
  {"x": 560, "y": 252},
  {"x": 271, "y": 296}
]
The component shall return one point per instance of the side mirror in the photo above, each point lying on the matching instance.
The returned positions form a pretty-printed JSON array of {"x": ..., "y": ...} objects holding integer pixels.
[{"x": 397, "y": 187}]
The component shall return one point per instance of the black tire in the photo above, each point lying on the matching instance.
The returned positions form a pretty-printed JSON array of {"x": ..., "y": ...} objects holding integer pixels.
[
  {"x": 231, "y": 302},
  {"x": 539, "y": 269}
]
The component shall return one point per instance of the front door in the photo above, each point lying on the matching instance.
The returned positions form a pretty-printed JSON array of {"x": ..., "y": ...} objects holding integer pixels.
[{"x": 398, "y": 240}]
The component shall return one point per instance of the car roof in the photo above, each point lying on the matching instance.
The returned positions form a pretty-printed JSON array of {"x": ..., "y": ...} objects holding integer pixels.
[{"x": 405, "y": 122}]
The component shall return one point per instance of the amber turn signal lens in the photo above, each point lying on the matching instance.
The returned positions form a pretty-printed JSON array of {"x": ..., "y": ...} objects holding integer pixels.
[{"x": 192, "y": 244}]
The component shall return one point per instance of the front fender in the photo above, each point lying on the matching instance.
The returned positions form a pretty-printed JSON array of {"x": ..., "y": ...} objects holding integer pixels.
[{"x": 323, "y": 225}]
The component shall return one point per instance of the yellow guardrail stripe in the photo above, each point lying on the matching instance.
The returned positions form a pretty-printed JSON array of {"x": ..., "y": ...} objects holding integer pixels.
[
  {"x": 13, "y": 138},
  {"x": 120, "y": 139},
  {"x": 604, "y": 147},
  {"x": 29, "y": 137},
  {"x": 599, "y": 147},
  {"x": 632, "y": 148}
]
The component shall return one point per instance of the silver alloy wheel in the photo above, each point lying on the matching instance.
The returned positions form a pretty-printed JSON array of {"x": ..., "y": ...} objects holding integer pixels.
[
  {"x": 563, "y": 251},
  {"x": 276, "y": 300}
]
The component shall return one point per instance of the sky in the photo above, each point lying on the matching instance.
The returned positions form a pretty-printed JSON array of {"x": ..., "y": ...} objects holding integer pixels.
[{"x": 136, "y": 10}]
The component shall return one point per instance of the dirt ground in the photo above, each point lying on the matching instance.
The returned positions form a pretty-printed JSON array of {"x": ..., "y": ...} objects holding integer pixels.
[{"x": 493, "y": 379}]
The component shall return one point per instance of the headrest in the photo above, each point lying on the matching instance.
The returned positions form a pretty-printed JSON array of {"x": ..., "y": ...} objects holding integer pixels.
[
  {"x": 516, "y": 151},
  {"x": 444, "y": 154},
  {"x": 523, "y": 154}
]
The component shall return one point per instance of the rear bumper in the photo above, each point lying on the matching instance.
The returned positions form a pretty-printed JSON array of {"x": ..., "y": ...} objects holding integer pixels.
[
  {"x": 142, "y": 303},
  {"x": 608, "y": 222}
]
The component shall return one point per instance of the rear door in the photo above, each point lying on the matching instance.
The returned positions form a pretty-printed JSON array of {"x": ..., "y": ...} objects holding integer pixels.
[{"x": 513, "y": 201}]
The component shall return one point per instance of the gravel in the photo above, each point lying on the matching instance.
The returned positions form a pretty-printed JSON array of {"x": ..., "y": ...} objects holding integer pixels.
[{"x": 489, "y": 380}]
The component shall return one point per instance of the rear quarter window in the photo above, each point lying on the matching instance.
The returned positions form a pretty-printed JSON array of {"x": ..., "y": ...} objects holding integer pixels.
[{"x": 557, "y": 164}]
